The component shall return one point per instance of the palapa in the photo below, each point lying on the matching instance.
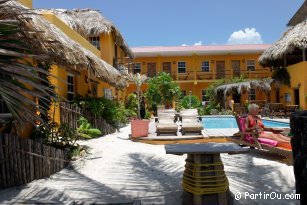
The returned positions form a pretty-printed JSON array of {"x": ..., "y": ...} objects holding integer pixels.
[
  {"x": 262, "y": 84},
  {"x": 47, "y": 39},
  {"x": 292, "y": 40},
  {"x": 89, "y": 22}
]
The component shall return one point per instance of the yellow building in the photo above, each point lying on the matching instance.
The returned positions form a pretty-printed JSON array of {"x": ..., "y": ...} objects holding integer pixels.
[
  {"x": 86, "y": 50},
  {"x": 194, "y": 68},
  {"x": 290, "y": 52}
]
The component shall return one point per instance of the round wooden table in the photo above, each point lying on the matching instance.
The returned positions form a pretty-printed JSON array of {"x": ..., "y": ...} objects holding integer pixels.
[{"x": 204, "y": 180}]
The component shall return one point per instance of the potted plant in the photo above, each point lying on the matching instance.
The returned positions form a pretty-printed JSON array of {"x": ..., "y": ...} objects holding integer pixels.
[{"x": 139, "y": 127}]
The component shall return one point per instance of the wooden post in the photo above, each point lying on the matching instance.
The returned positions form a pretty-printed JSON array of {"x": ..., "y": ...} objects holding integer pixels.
[{"x": 2, "y": 164}]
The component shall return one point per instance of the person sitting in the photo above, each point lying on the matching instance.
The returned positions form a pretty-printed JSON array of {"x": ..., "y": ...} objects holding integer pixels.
[{"x": 254, "y": 123}]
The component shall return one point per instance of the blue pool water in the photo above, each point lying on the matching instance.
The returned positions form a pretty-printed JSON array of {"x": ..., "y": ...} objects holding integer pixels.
[{"x": 230, "y": 122}]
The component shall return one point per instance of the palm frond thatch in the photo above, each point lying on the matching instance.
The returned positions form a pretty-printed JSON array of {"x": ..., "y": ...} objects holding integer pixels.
[
  {"x": 20, "y": 83},
  {"x": 46, "y": 38},
  {"x": 293, "y": 39},
  {"x": 89, "y": 22},
  {"x": 263, "y": 85}
]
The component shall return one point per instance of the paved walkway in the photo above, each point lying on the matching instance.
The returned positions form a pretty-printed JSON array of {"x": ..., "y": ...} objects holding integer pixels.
[{"x": 118, "y": 170}]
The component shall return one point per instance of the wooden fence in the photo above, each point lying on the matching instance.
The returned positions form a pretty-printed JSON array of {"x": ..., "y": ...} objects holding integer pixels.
[
  {"x": 24, "y": 160},
  {"x": 70, "y": 114}
]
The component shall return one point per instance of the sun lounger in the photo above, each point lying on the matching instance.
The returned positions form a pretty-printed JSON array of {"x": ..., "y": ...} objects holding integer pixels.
[
  {"x": 276, "y": 109},
  {"x": 166, "y": 128},
  {"x": 238, "y": 109},
  {"x": 166, "y": 124},
  {"x": 191, "y": 125},
  {"x": 251, "y": 139},
  {"x": 289, "y": 109}
]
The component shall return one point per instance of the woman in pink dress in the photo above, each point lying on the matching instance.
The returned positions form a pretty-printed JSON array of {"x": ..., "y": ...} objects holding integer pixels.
[{"x": 254, "y": 123}]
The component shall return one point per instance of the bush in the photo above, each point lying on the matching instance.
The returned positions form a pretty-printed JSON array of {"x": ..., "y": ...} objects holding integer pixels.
[
  {"x": 113, "y": 112},
  {"x": 131, "y": 104},
  {"x": 184, "y": 103},
  {"x": 85, "y": 129},
  {"x": 161, "y": 89}
]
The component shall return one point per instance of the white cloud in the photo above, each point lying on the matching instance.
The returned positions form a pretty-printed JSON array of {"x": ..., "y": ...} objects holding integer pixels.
[
  {"x": 199, "y": 43},
  {"x": 184, "y": 44},
  {"x": 248, "y": 36}
]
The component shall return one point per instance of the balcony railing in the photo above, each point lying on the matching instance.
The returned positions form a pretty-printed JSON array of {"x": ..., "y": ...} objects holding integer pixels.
[{"x": 215, "y": 75}]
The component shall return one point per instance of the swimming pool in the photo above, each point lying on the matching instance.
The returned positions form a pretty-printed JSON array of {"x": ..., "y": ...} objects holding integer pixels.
[{"x": 230, "y": 122}]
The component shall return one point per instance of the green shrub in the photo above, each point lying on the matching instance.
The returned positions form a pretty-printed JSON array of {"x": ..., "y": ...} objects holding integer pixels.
[
  {"x": 85, "y": 129},
  {"x": 113, "y": 112},
  {"x": 161, "y": 90},
  {"x": 131, "y": 105},
  {"x": 185, "y": 102}
]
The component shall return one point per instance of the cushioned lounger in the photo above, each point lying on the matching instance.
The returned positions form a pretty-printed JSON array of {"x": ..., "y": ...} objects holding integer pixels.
[{"x": 166, "y": 128}]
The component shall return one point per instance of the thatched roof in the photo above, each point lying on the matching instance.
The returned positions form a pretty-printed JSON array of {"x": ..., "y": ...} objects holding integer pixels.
[
  {"x": 89, "y": 22},
  {"x": 46, "y": 38},
  {"x": 293, "y": 40},
  {"x": 263, "y": 85},
  {"x": 299, "y": 16}
]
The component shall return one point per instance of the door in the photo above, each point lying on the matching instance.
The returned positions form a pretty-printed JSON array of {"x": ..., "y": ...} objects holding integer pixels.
[
  {"x": 297, "y": 97},
  {"x": 235, "y": 65},
  {"x": 220, "y": 69},
  {"x": 167, "y": 67},
  {"x": 151, "y": 69},
  {"x": 236, "y": 97},
  {"x": 277, "y": 96}
]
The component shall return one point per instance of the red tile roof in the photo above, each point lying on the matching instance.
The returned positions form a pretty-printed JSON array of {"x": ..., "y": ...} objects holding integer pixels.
[{"x": 189, "y": 50}]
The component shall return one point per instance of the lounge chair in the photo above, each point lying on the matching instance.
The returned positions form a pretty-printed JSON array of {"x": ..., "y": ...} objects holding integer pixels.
[
  {"x": 166, "y": 124},
  {"x": 276, "y": 109},
  {"x": 238, "y": 109},
  {"x": 189, "y": 113},
  {"x": 289, "y": 109},
  {"x": 191, "y": 124},
  {"x": 252, "y": 139}
]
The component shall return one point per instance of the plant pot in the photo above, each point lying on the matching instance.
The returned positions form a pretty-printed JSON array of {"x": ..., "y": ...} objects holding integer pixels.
[{"x": 139, "y": 128}]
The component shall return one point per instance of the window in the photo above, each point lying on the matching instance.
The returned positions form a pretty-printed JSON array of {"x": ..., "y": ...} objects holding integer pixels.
[
  {"x": 136, "y": 68},
  {"x": 287, "y": 97},
  {"x": 250, "y": 65},
  {"x": 203, "y": 96},
  {"x": 95, "y": 41},
  {"x": 205, "y": 66},
  {"x": 70, "y": 87},
  {"x": 107, "y": 93},
  {"x": 252, "y": 94},
  {"x": 181, "y": 67}
]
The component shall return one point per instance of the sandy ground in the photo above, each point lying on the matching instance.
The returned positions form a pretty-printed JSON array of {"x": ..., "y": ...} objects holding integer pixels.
[{"x": 120, "y": 171}]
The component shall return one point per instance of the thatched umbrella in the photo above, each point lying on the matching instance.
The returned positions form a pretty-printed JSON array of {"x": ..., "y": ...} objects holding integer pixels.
[
  {"x": 50, "y": 40},
  {"x": 89, "y": 22},
  {"x": 263, "y": 85},
  {"x": 293, "y": 41}
]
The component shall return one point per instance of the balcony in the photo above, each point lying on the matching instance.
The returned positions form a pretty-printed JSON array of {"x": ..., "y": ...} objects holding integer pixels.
[{"x": 214, "y": 75}]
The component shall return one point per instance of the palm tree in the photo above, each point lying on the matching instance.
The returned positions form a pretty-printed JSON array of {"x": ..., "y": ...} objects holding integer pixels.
[
  {"x": 21, "y": 86},
  {"x": 138, "y": 80}
]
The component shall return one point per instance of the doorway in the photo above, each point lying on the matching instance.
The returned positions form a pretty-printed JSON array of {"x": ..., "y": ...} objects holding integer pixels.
[
  {"x": 297, "y": 97},
  {"x": 277, "y": 94},
  {"x": 236, "y": 97},
  {"x": 220, "y": 69},
  {"x": 235, "y": 64},
  {"x": 167, "y": 66},
  {"x": 151, "y": 69}
]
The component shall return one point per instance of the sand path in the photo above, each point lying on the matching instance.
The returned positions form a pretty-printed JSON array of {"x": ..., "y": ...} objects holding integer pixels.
[{"x": 120, "y": 171}]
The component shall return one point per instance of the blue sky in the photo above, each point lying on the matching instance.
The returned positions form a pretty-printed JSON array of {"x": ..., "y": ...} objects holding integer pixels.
[{"x": 199, "y": 22}]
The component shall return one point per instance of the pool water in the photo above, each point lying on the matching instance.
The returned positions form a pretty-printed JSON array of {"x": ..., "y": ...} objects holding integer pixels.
[{"x": 230, "y": 122}]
